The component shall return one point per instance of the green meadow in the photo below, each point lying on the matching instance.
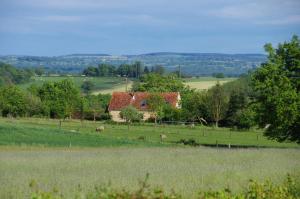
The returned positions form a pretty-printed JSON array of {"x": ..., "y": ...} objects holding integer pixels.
[
  {"x": 76, "y": 157},
  {"x": 46, "y": 132}
]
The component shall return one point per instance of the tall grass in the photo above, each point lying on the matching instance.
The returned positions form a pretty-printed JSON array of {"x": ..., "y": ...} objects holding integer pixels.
[{"x": 186, "y": 170}]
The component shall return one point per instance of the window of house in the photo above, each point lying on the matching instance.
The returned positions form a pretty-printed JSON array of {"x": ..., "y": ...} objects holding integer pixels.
[{"x": 143, "y": 103}]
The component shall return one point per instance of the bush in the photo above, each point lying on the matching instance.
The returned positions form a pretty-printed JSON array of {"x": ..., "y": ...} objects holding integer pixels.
[{"x": 288, "y": 189}]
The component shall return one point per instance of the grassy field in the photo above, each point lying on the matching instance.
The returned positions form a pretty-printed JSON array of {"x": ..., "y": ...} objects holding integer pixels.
[
  {"x": 121, "y": 87},
  {"x": 36, "y": 149},
  {"x": 47, "y": 133},
  {"x": 186, "y": 170},
  {"x": 105, "y": 84},
  {"x": 203, "y": 83}
]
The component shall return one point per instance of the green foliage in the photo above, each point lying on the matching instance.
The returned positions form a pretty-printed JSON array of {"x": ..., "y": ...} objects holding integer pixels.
[
  {"x": 87, "y": 87},
  {"x": 267, "y": 190},
  {"x": 12, "y": 101},
  {"x": 277, "y": 87},
  {"x": 156, "y": 104},
  {"x": 237, "y": 102},
  {"x": 61, "y": 98},
  {"x": 131, "y": 114},
  {"x": 195, "y": 106},
  {"x": 97, "y": 106},
  {"x": 134, "y": 70},
  {"x": 255, "y": 190},
  {"x": 34, "y": 105},
  {"x": 218, "y": 75},
  {"x": 246, "y": 118},
  {"x": 158, "y": 83},
  {"x": 11, "y": 75}
]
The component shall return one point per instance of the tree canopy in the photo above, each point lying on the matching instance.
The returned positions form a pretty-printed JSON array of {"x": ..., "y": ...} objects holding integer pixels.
[{"x": 277, "y": 86}]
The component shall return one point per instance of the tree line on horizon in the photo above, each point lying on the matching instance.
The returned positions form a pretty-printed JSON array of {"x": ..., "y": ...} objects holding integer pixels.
[{"x": 135, "y": 70}]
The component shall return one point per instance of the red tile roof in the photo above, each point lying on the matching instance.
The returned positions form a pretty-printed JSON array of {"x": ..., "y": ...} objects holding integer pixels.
[{"x": 120, "y": 100}]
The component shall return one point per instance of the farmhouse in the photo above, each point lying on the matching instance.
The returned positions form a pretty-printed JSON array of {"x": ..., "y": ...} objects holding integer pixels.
[{"x": 120, "y": 100}]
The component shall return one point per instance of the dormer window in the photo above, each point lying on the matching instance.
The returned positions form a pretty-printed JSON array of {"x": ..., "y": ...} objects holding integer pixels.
[{"x": 143, "y": 103}]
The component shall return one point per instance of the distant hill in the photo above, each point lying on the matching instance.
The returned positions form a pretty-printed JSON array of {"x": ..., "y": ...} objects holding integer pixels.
[{"x": 191, "y": 63}]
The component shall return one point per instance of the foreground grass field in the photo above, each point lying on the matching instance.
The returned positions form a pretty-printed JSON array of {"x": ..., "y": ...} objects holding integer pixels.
[
  {"x": 75, "y": 157},
  {"x": 47, "y": 133},
  {"x": 184, "y": 169}
]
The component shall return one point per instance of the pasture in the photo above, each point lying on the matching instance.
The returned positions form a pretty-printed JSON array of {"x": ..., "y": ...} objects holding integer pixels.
[
  {"x": 75, "y": 155},
  {"x": 46, "y": 132},
  {"x": 204, "y": 83}
]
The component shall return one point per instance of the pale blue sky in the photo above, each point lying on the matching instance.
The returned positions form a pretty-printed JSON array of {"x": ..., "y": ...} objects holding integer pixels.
[{"x": 57, "y": 27}]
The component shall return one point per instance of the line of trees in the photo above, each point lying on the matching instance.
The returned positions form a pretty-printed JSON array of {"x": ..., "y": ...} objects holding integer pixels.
[
  {"x": 134, "y": 70},
  {"x": 59, "y": 100}
]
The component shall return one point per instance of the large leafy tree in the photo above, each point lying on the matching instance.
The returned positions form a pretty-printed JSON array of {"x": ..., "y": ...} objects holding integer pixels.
[
  {"x": 195, "y": 106},
  {"x": 277, "y": 84},
  {"x": 158, "y": 83},
  {"x": 61, "y": 98},
  {"x": 12, "y": 101}
]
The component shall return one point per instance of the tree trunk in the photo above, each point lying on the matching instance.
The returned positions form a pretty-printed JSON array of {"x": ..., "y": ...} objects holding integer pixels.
[
  {"x": 94, "y": 116},
  {"x": 217, "y": 123}
]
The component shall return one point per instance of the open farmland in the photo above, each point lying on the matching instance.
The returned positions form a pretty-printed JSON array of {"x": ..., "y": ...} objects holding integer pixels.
[
  {"x": 105, "y": 84},
  {"x": 204, "y": 83},
  {"x": 47, "y": 133},
  {"x": 36, "y": 149}
]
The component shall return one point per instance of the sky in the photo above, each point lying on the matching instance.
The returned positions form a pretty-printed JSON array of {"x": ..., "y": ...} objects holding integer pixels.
[{"x": 59, "y": 27}]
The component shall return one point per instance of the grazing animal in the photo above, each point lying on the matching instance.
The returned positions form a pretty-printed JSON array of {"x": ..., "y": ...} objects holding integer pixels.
[
  {"x": 100, "y": 128},
  {"x": 162, "y": 137}
]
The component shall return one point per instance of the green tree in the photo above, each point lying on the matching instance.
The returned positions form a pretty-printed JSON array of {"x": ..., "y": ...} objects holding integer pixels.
[
  {"x": 217, "y": 103},
  {"x": 146, "y": 70},
  {"x": 156, "y": 104},
  {"x": 237, "y": 102},
  {"x": 245, "y": 118},
  {"x": 277, "y": 86},
  {"x": 61, "y": 98},
  {"x": 130, "y": 114},
  {"x": 87, "y": 87},
  {"x": 91, "y": 71},
  {"x": 97, "y": 104},
  {"x": 157, "y": 83},
  {"x": 195, "y": 106},
  {"x": 12, "y": 101},
  {"x": 34, "y": 105}
]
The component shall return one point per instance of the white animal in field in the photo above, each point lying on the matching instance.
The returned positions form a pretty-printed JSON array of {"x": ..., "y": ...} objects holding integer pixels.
[
  {"x": 162, "y": 137},
  {"x": 100, "y": 128}
]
